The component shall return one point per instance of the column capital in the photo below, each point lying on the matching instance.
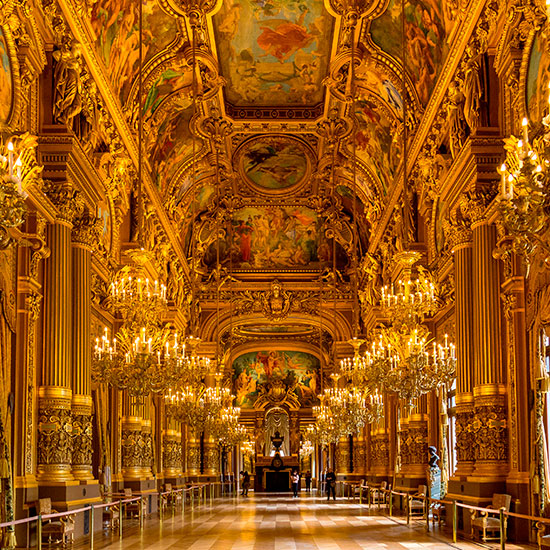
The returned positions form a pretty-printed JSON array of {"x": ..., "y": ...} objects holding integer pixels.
[
  {"x": 66, "y": 199},
  {"x": 85, "y": 230}
]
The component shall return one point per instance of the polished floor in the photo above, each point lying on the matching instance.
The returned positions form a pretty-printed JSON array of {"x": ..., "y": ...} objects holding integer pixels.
[{"x": 262, "y": 522}]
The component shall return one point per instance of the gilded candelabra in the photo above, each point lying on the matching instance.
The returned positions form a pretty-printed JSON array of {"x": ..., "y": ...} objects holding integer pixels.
[
  {"x": 524, "y": 198},
  {"x": 18, "y": 170}
]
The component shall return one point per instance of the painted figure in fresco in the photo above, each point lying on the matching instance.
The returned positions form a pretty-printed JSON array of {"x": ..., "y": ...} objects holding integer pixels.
[
  {"x": 5, "y": 80},
  {"x": 245, "y": 231},
  {"x": 282, "y": 39}
]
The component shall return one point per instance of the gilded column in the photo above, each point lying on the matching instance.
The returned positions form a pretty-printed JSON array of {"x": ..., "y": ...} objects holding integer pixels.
[
  {"x": 193, "y": 453},
  {"x": 343, "y": 456},
  {"x": 132, "y": 445},
  {"x": 464, "y": 316},
  {"x": 148, "y": 463},
  {"x": 55, "y": 393},
  {"x": 211, "y": 456},
  {"x": 414, "y": 445},
  {"x": 82, "y": 235},
  {"x": 359, "y": 445},
  {"x": 490, "y": 423}
]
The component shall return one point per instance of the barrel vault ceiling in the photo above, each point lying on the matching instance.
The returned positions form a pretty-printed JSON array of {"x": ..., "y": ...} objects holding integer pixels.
[{"x": 248, "y": 108}]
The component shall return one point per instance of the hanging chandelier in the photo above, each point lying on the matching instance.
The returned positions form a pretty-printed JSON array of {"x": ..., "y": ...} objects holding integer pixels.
[
  {"x": 412, "y": 364},
  {"x": 149, "y": 362},
  {"x": 524, "y": 198},
  {"x": 307, "y": 448}
]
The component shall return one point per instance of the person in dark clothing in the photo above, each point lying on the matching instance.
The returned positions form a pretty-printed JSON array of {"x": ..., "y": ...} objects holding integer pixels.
[
  {"x": 308, "y": 481},
  {"x": 246, "y": 483},
  {"x": 331, "y": 484}
]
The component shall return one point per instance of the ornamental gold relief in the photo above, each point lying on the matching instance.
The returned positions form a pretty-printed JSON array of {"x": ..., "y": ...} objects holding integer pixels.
[
  {"x": 54, "y": 435},
  {"x": 490, "y": 429}
]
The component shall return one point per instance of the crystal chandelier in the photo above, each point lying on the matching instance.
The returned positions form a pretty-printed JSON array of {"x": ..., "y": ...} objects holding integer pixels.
[
  {"x": 147, "y": 362},
  {"x": 307, "y": 448},
  {"x": 524, "y": 198},
  {"x": 247, "y": 448},
  {"x": 407, "y": 361},
  {"x": 138, "y": 299}
]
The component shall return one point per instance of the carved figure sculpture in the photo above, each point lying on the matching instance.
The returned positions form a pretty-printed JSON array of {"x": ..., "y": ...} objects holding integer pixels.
[{"x": 68, "y": 86}]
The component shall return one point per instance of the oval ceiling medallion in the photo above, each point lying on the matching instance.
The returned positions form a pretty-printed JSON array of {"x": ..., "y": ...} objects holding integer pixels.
[{"x": 274, "y": 163}]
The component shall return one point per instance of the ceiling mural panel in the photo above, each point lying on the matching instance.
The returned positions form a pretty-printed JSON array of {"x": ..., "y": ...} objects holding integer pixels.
[
  {"x": 269, "y": 330},
  {"x": 171, "y": 146},
  {"x": 115, "y": 24},
  {"x": 274, "y": 163},
  {"x": 427, "y": 25},
  {"x": 273, "y": 53},
  {"x": 275, "y": 237},
  {"x": 538, "y": 76},
  {"x": 377, "y": 142},
  {"x": 6, "y": 85},
  {"x": 274, "y": 377}
]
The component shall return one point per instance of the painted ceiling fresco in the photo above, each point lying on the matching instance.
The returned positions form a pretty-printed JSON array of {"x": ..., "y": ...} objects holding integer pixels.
[
  {"x": 269, "y": 371},
  {"x": 275, "y": 52},
  {"x": 171, "y": 146},
  {"x": 427, "y": 26},
  {"x": 276, "y": 162},
  {"x": 538, "y": 78},
  {"x": 272, "y": 237},
  {"x": 115, "y": 24},
  {"x": 5, "y": 80},
  {"x": 377, "y": 143}
]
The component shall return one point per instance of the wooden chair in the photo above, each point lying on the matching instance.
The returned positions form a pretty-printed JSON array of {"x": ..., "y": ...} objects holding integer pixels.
[
  {"x": 356, "y": 489},
  {"x": 56, "y": 530},
  {"x": 132, "y": 508},
  {"x": 111, "y": 516},
  {"x": 489, "y": 525},
  {"x": 416, "y": 503},
  {"x": 378, "y": 494}
]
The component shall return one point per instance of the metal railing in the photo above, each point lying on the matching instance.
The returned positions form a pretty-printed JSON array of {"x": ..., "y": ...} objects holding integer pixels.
[
  {"x": 196, "y": 495},
  {"x": 502, "y": 513}
]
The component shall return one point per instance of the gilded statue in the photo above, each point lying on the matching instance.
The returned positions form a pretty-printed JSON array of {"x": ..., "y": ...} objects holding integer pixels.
[
  {"x": 276, "y": 303},
  {"x": 455, "y": 116},
  {"x": 68, "y": 85},
  {"x": 473, "y": 92}
]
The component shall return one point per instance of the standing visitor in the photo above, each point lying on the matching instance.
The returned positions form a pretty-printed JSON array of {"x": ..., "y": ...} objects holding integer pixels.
[
  {"x": 246, "y": 483},
  {"x": 308, "y": 481},
  {"x": 295, "y": 478},
  {"x": 330, "y": 479}
]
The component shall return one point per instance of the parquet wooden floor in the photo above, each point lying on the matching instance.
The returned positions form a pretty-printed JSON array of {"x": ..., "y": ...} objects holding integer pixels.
[{"x": 262, "y": 522}]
